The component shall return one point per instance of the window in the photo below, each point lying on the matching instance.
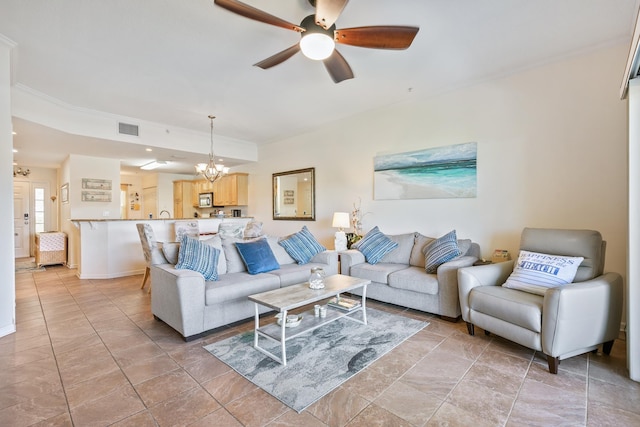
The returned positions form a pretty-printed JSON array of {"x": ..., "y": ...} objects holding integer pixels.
[{"x": 38, "y": 211}]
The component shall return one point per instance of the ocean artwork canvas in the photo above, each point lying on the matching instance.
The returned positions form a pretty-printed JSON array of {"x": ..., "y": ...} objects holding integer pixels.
[{"x": 434, "y": 173}]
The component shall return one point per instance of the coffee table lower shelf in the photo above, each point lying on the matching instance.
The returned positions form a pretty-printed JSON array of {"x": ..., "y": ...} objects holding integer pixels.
[
  {"x": 275, "y": 332},
  {"x": 283, "y": 300}
]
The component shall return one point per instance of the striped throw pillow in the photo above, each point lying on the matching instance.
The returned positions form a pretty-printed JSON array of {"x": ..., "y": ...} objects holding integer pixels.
[
  {"x": 375, "y": 245},
  {"x": 440, "y": 251},
  {"x": 197, "y": 256},
  {"x": 302, "y": 246}
]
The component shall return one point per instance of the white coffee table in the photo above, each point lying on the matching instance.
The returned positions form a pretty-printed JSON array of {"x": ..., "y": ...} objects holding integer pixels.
[{"x": 288, "y": 298}]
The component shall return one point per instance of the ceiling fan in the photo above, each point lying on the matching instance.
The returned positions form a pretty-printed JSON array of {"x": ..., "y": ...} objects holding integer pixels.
[{"x": 319, "y": 35}]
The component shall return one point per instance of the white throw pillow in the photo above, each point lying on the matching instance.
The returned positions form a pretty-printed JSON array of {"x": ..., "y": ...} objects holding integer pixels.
[{"x": 535, "y": 272}]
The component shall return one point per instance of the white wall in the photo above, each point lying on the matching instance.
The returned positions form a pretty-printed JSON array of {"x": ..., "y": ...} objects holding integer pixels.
[
  {"x": 7, "y": 263},
  {"x": 551, "y": 153}
]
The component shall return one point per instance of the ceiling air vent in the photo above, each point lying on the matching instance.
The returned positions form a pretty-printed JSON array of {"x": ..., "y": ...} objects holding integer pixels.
[{"x": 127, "y": 129}]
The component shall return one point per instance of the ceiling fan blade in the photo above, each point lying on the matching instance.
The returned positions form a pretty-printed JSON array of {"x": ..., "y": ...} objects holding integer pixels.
[
  {"x": 328, "y": 11},
  {"x": 337, "y": 67},
  {"x": 279, "y": 57},
  {"x": 377, "y": 37},
  {"x": 256, "y": 14}
]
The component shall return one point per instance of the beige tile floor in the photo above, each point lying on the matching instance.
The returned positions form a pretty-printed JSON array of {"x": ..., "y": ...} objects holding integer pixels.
[{"x": 89, "y": 353}]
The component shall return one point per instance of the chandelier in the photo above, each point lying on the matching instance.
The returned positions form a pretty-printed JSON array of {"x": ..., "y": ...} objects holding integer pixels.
[
  {"x": 20, "y": 171},
  {"x": 211, "y": 171}
]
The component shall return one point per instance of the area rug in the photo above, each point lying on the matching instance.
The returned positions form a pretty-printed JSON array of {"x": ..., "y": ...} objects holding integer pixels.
[
  {"x": 27, "y": 267},
  {"x": 319, "y": 360}
]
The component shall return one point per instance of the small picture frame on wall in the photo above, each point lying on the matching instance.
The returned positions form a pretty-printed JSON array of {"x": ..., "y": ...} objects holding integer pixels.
[
  {"x": 64, "y": 193},
  {"x": 288, "y": 200},
  {"x": 288, "y": 193}
]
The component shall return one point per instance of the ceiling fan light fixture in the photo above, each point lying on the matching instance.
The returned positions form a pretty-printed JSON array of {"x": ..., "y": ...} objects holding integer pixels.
[{"x": 317, "y": 46}]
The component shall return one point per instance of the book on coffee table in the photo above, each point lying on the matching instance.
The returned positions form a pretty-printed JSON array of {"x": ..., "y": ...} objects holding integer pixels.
[{"x": 344, "y": 303}]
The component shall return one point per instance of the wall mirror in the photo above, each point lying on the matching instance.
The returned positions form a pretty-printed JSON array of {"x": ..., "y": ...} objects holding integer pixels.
[{"x": 294, "y": 195}]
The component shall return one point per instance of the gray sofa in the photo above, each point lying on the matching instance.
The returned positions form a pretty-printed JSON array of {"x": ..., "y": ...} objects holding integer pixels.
[
  {"x": 192, "y": 306},
  {"x": 400, "y": 277}
]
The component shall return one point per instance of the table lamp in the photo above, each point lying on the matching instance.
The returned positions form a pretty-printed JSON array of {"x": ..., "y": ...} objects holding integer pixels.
[{"x": 341, "y": 221}]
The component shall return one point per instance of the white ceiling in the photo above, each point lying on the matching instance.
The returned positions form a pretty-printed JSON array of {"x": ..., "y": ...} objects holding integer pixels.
[{"x": 175, "y": 62}]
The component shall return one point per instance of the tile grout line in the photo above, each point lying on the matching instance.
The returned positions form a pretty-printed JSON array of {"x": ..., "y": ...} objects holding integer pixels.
[{"x": 53, "y": 351}]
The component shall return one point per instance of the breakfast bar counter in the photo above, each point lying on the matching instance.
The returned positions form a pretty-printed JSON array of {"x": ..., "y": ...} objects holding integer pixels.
[{"x": 110, "y": 248}]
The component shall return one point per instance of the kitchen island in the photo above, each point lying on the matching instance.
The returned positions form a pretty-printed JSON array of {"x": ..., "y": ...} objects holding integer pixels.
[{"x": 110, "y": 248}]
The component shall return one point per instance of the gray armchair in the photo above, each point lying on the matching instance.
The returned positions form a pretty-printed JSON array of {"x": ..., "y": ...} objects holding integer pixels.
[{"x": 564, "y": 322}]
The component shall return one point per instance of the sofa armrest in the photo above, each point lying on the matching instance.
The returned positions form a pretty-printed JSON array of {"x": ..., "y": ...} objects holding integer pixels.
[
  {"x": 330, "y": 258},
  {"x": 581, "y": 315},
  {"x": 349, "y": 258},
  {"x": 447, "y": 274},
  {"x": 178, "y": 298},
  {"x": 480, "y": 275}
]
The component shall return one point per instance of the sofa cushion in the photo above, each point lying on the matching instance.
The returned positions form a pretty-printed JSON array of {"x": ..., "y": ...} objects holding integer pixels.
[
  {"x": 402, "y": 253},
  {"x": 279, "y": 252},
  {"x": 417, "y": 255},
  {"x": 234, "y": 260},
  {"x": 238, "y": 286},
  {"x": 216, "y": 242},
  {"x": 464, "y": 245},
  {"x": 302, "y": 246},
  {"x": 293, "y": 274},
  {"x": 257, "y": 256},
  {"x": 375, "y": 245},
  {"x": 441, "y": 250},
  {"x": 535, "y": 272},
  {"x": 414, "y": 279},
  {"x": 197, "y": 256},
  {"x": 375, "y": 272},
  {"x": 170, "y": 251},
  {"x": 520, "y": 308}
]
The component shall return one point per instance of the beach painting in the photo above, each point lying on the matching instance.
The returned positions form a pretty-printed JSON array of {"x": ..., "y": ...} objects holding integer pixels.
[{"x": 434, "y": 173}]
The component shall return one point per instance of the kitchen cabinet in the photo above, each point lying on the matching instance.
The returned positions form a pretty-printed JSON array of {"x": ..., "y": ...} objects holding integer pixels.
[
  {"x": 232, "y": 190},
  {"x": 183, "y": 199}
]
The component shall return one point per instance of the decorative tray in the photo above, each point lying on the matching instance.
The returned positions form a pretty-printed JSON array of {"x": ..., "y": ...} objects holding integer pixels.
[{"x": 293, "y": 320}]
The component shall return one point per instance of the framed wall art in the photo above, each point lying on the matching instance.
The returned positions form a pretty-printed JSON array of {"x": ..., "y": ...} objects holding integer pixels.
[
  {"x": 64, "y": 193},
  {"x": 435, "y": 173}
]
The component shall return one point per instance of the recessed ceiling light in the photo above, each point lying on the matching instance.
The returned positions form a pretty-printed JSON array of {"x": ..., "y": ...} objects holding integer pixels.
[{"x": 148, "y": 149}]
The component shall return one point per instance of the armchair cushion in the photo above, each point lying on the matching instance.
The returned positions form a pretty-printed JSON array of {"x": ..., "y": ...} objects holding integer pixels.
[
  {"x": 375, "y": 245},
  {"x": 536, "y": 272},
  {"x": 440, "y": 251}
]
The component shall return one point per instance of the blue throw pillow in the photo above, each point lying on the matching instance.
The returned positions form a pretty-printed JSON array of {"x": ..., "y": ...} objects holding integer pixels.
[
  {"x": 197, "y": 256},
  {"x": 441, "y": 250},
  {"x": 302, "y": 246},
  {"x": 257, "y": 256},
  {"x": 375, "y": 245}
]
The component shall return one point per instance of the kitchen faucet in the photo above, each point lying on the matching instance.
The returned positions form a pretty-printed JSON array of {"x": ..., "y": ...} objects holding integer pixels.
[{"x": 163, "y": 211}]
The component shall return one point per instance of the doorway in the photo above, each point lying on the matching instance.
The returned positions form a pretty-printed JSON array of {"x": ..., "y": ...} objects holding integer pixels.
[{"x": 21, "y": 219}]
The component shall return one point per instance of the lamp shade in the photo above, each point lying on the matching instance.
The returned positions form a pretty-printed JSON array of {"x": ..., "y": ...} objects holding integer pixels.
[{"x": 340, "y": 220}]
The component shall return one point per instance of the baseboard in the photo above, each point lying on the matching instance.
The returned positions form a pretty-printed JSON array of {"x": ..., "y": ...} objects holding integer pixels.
[{"x": 7, "y": 330}]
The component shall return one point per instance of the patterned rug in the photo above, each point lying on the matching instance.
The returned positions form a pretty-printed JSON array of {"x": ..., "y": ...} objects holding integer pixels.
[
  {"x": 319, "y": 360},
  {"x": 27, "y": 267}
]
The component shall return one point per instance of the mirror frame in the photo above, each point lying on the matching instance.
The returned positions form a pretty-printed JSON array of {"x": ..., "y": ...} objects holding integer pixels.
[{"x": 275, "y": 198}]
